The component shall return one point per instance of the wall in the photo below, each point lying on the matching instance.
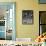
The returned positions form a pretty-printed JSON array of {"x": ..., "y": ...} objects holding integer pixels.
[{"x": 28, "y": 31}]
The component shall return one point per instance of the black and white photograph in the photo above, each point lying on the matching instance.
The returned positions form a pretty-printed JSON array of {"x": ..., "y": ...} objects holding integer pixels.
[{"x": 27, "y": 17}]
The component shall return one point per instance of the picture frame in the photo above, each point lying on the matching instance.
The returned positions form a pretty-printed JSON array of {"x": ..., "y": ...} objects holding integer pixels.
[
  {"x": 42, "y": 22},
  {"x": 27, "y": 17},
  {"x": 7, "y": 13},
  {"x": 42, "y": 1}
]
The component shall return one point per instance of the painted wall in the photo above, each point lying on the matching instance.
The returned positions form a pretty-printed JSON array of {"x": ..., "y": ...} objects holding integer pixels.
[{"x": 28, "y": 31}]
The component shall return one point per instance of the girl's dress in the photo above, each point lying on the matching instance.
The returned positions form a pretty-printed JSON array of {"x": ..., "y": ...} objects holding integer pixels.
[{"x": 44, "y": 44}]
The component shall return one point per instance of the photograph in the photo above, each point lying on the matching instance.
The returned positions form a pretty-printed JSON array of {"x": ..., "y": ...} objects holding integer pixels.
[
  {"x": 7, "y": 28},
  {"x": 23, "y": 22},
  {"x": 42, "y": 1},
  {"x": 27, "y": 17},
  {"x": 42, "y": 20}
]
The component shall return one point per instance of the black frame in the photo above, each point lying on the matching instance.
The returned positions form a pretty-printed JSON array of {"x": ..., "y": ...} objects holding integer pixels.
[
  {"x": 39, "y": 21},
  {"x": 29, "y": 12}
]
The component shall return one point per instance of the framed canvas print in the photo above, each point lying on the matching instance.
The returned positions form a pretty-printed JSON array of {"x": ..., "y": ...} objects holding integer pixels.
[
  {"x": 27, "y": 17},
  {"x": 42, "y": 22},
  {"x": 42, "y": 1},
  {"x": 7, "y": 20}
]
